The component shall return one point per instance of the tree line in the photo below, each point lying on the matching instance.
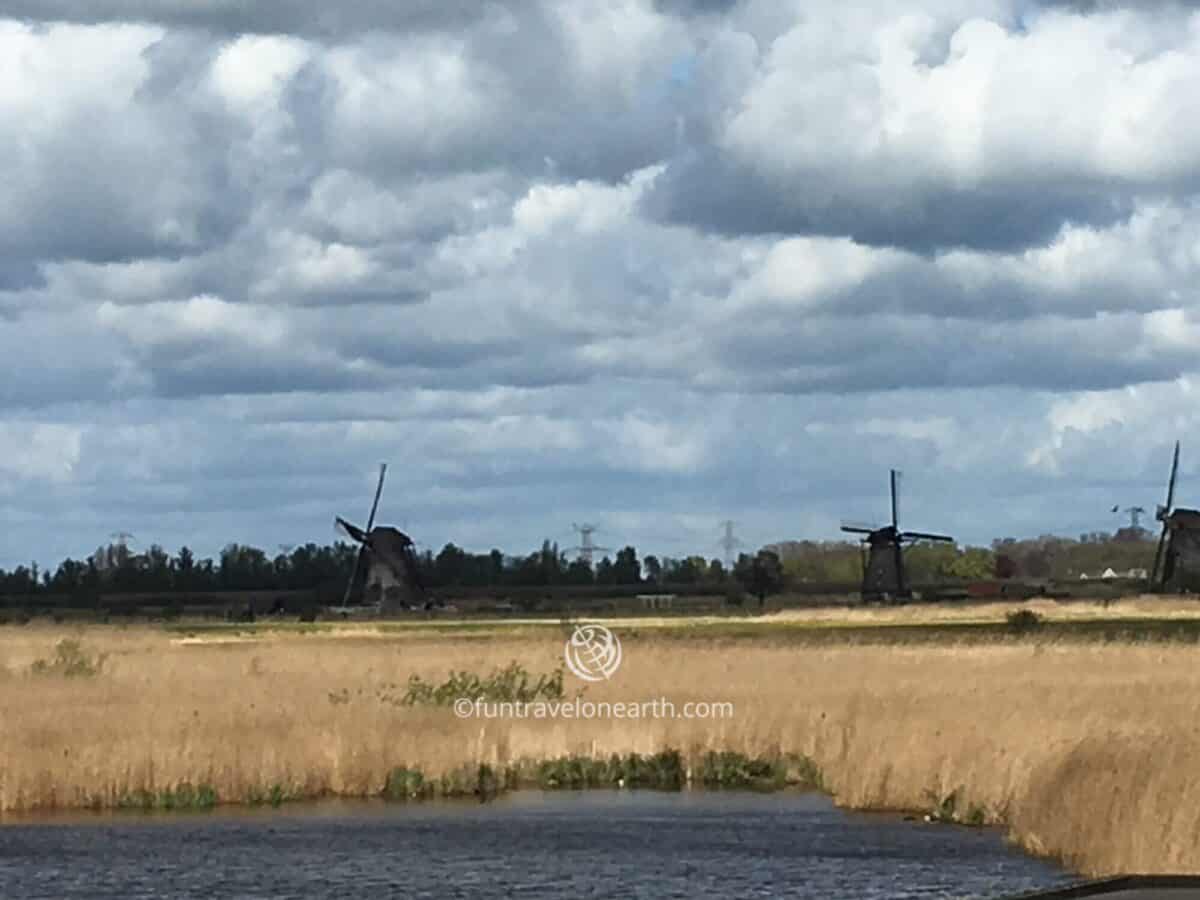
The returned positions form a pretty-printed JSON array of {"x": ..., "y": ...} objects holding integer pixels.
[
  {"x": 239, "y": 567},
  {"x": 1049, "y": 557}
]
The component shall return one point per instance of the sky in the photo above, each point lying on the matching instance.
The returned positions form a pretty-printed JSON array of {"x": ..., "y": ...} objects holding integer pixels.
[{"x": 647, "y": 264}]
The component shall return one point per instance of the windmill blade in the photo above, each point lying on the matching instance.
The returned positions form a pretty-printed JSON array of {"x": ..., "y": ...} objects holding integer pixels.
[
  {"x": 378, "y": 491},
  {"x": 1162, "y": 514},
  {"x": 858, "y": 529},
  {"x": 353, "y": 574},
  {"x": 350, "y": 531},
  {"x": 895, "y": 501},
  {"x": 925, "y": 536},
  {"x": 859, "y": 525},
  {"x": 1158, "y": 555},
  {"x": 1171, "y": 482}
]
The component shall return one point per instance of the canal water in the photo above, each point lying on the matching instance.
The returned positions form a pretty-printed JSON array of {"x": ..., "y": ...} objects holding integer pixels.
[{"x": 525, "y": 845}]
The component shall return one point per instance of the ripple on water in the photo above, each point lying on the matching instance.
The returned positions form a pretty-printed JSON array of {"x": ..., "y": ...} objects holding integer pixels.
[{"x": 528, "y": 845}]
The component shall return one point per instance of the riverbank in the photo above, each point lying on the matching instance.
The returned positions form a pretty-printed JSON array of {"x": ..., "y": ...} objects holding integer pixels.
[{"x": 1083, "y": 748}]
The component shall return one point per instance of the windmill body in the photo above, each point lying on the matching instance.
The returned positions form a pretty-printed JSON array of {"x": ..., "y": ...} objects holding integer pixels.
[
  {"x": 884, "y": 579},
  {"x": 387, "y": 574},
  {"x": 1177, "y": 558},
  {"x": 1181, "y": 557},
  {"x": 385, "y": 571},
  {"x": 883, "y": 574}
]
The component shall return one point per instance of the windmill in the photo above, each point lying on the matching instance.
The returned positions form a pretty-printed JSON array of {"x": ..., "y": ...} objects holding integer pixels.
[
  {"x": 883, "y": 568},
  {"x": 386, "y": 554},
  {"x": 1177, "y": 558}
]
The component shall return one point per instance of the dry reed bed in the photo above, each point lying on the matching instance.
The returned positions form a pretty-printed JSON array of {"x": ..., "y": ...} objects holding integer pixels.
[
  {"x": 1131, "y": 609},
  {"x": 1090, "y": 752}
]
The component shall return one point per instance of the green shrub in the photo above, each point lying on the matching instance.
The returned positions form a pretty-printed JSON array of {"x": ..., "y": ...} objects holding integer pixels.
[
  {"x": 482, "y": 781},
  {"x": 508, "y": 684},
  {"x": 275, "y": 795},
  {"x": 404, "y": 783},
  {"x": 943, "y": 809},
  {"x": 735, "y": 770},
  {"x": 660, "y": 771},
  {"x": 182, "y": 797},
  {"x": 801, "y": 771},
  {"x": 1023, "y": 621}
]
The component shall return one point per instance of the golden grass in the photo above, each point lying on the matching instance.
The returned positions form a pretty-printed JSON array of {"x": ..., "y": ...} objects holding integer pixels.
[
  {"x": 1126, "y": 608},
  {"x": 1088, "y": 751},
  {"x": 1130, "y": 609}
]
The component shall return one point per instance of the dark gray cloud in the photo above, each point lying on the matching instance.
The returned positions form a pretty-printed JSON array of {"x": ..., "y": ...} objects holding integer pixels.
[
  {"x": 694, "y": 7},
  {"x": 304, "y": 17},
  {"x": 711, "y": 192}
]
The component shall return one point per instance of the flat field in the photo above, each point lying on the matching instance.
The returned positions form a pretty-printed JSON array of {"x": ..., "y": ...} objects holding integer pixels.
[{"x": 1082, "y": 735}]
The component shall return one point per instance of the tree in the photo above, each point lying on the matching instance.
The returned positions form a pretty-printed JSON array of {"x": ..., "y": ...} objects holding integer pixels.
[
  {"x": 604, "y": 571},
  {"x": 185, "y": 565},
  {"x": 449, "y": 565},
  {"x": 973, "y": 563},
  {"x": 1036, "y": 563},
  {"x": 579, "y": 572},
  {"x": 550, "y": 563},
  {"x": 627, "y": 569},
  {"x": 716, "y": 572},
  {"x": 682, "y": 571},
  {"x": 1006, "y": 566},
  {"x": 761, "y": 574},
  {"x": 653, "y": 569}
]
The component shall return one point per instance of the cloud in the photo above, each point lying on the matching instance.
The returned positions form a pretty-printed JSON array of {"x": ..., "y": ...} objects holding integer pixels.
[
  {"x": 235, "y": 17},
  {"x": 654, "y": 263},
  {"x": 845, "y": 128}
]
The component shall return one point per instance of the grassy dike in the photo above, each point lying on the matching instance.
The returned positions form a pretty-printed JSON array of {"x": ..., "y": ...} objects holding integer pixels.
[{"x": 1080, "y": 739}]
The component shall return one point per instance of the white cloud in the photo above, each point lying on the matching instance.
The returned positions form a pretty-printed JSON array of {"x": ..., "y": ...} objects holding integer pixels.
[
  {"x": 43, "y": 452},
  {"x": 251, "y": 72},
  {"x": 202, "y": 318}
]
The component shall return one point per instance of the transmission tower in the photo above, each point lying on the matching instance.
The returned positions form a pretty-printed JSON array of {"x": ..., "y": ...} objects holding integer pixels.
[
  {"x": 729, "y": 543},
  {"x": 1135, "y": 515},
  {"x": 586, "y": 547}
]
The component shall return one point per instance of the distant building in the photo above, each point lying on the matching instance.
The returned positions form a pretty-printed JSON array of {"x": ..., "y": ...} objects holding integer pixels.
[{"x": 656, "y": 601}]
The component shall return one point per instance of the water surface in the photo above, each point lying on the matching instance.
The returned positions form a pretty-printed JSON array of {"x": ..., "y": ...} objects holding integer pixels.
[{"x": 525, "y": 845}]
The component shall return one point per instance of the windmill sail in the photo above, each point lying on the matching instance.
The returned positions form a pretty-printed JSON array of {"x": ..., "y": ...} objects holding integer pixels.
[
  {"x": 362, "y": 537},
  {"x": 1163, "y": 515}
]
